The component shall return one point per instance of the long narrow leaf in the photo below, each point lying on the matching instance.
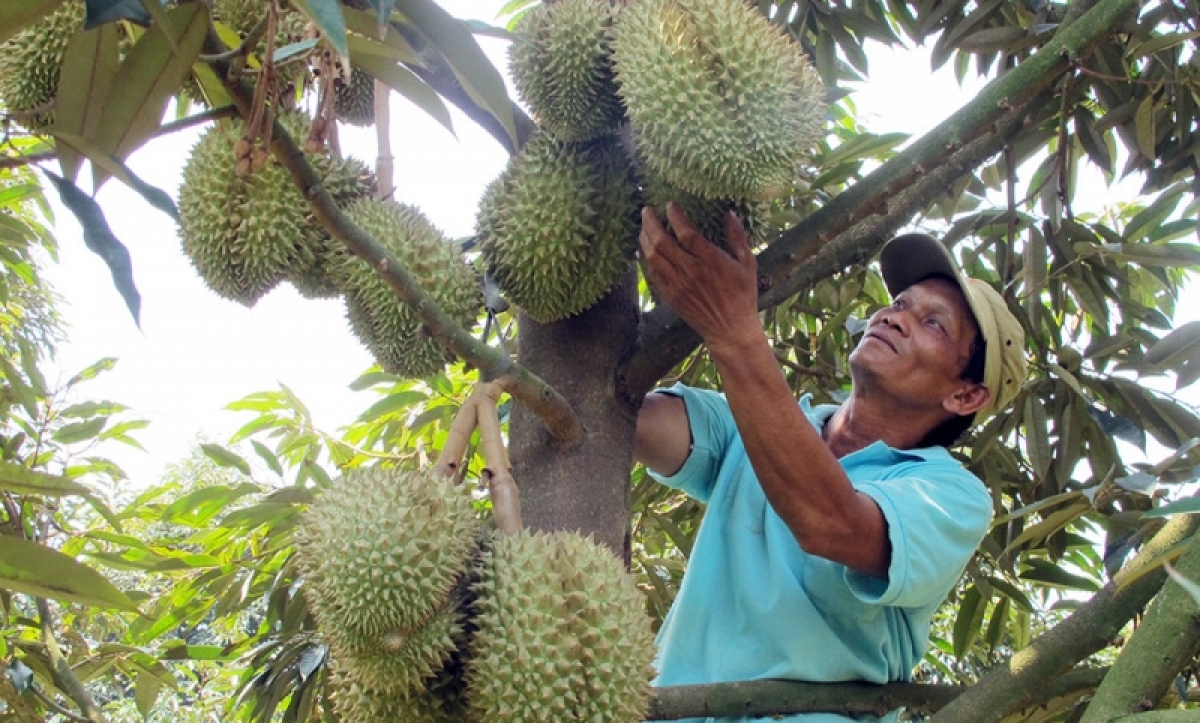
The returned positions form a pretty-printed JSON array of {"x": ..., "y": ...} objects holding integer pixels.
[{"x": 38, "y": 570}]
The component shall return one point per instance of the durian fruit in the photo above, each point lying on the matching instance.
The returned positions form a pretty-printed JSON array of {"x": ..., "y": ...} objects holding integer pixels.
[
  {"x": 562, "y": 634},
  {"x": 346, "y": 180},
  {"x": 246, "y": 234},
  {"x": 391, "y": 330},
  {"x": 357, "y": 702},
  {"x": 30, "y": 62},
  {"x": 562, "y": 68},
  {"x": 243, "y": 16},
  {"x": 708, "y": 214},
  {"x": 384, "y": 554},
  {"x": 722, "y": 103},
  {"x": 354, "y": 101},
  {"x": 557, "y": 228}
]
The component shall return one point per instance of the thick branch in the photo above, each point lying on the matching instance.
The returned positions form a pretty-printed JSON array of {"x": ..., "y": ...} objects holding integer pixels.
[
  {"x": 1160, "y": 716},
  {"x": 1163, "y": 644},
  {"x": 784, "y": 697},
  {"x": 546, "y": 403},
  {"x": 826, "y": 241},
  {"x": 1089, "y": 629}
]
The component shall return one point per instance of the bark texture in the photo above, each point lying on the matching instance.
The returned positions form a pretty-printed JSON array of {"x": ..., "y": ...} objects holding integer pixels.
[
  {"x": 584, "y": 486},
  {"x": 1089, "y": 629},
  {"x": 1163, "y": 644}
]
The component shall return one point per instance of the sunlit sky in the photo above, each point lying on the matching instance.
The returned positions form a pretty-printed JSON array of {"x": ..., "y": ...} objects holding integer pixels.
[{"x": 195, "y": 352}]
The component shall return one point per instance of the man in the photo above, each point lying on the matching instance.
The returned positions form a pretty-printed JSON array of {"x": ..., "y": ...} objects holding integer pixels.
[{"x": 831, "y": 534}]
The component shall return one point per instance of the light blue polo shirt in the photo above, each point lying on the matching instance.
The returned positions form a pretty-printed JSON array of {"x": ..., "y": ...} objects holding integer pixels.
[{"x": 753, "y": 605}]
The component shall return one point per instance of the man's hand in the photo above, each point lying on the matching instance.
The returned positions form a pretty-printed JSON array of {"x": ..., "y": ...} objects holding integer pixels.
[{"x": 715, "y": 292}]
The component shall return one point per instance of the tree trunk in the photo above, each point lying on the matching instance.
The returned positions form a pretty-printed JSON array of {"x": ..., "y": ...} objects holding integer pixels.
[
  {"x": 584, "y": 487},
  {"x": 1163, "y": 644}
]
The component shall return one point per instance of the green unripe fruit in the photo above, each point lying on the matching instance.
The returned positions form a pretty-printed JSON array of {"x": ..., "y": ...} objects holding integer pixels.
[
  {"x": 357, "y": 702},
  {"x": 354, "y": 101},
  {"x": 722, "y": 103},
  {"x": 562, "y": 634},
  {"x": 246, "y": 234},
  {"x": 562, "y": 69},
  {"x": 390, "y": 329},
  {"x": 557, "y": 229},
  {"x": 31, "y": 60},
  {"x": 384, "y": 553}
]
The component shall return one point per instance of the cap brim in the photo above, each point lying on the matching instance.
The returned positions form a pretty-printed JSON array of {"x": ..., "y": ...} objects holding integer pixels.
[{"x": 910, "y": 258}]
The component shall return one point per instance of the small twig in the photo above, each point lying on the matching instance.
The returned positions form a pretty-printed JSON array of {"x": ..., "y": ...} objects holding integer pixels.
[
  {"x": 506, "y": 499},
  {"x": 449, "y": 462},
  {"x": 56, "y": 707}
]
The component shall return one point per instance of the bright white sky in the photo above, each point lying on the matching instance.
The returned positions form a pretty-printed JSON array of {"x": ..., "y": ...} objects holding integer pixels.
[{"x": 196, "y": 352}]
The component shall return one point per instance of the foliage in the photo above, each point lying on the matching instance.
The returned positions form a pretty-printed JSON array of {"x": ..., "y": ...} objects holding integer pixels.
[{"x": 1069, "y": 467}]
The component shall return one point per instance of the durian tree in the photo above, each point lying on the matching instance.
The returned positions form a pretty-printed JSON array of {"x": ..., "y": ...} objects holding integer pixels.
[{"x": 1107, "y": 87}]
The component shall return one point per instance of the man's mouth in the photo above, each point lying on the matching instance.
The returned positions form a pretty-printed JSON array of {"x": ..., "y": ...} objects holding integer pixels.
[{"x": 885, "y": 340}]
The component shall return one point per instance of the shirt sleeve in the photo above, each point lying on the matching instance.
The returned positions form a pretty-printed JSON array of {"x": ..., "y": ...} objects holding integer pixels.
[
  {"x": 936, "y": 519},
  {"x": 712, "y": 429}
]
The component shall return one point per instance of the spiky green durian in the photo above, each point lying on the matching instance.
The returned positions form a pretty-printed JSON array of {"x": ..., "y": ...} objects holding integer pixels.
[
  {"x": 346, "y": 180},
  {"x": 562, "y": 634},
  {"x": 562, "y": 68},
  {"x": 357, "y": 702},
  {"x": 708, "y": 214},
  {"x": 30, "y": 62},
  {"x": 557, "y": 228},
  {"x": 382, "y": 552},
  {"x": 722, "y": 104},
  {"x": 391, "y": 330},
  {"x": 354, "y": 101},
  {"x": 246, "y": 234},
  {"x": 243, "y": 16}
]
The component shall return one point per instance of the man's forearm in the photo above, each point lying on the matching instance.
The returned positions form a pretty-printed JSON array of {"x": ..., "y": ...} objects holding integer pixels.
[{"x": 800, "y": 476}]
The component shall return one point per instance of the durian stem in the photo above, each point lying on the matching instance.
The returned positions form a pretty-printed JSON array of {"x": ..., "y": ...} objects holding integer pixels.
[
  {"x": 548, "y": 404},
  {"x": 449, "y": 463},
  {"x": 506, "y": 499},
  {"x": 384, "y": 161}
]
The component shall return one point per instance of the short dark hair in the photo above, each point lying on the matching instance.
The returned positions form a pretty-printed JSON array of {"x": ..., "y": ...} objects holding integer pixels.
[{"x": 949, "y": 431}]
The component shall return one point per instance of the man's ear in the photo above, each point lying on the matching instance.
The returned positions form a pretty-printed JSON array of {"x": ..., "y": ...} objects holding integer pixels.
[{"x": 970, "y": 398}]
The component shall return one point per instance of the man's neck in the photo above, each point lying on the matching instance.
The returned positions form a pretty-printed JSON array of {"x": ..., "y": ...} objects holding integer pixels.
[{"x": 858, "y": 424}]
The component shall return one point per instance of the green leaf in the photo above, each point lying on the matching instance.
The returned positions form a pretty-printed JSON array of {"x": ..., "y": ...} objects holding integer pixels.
[
  {"x": 159, "y": 17},
  {"x": 370, "y": 379},
  {"x": 1188, "y": 505},
  {"x": 1046, "y": 572},
  {"x": 404, "y": 82},
  {"x": 146, "y": 693},
  {"x": 969, "y": 621},
  {"x": 453, "y": 39},
  {"x": 1176, "y": 347},
  {"x": 24, "y": 481},
  {"x": 225, "y": 458},
  {"x": 111, "y": 166},
  {"x": 391, "y": 403},
  {"x": 1163, "y": 255},
  {"x": 100, "y": 239},
  {"x": 1143, "y": 122},
  {"x": 362, "y": 23},
  {"x": 93, "y": 370},
  {"x": 267, "y": 456},
  {"x": 16, "y": 15},
  {"x": 1153, "y": 215},
  {"x": 35, "y": 569},
  {"x": 146, "y": 80},
  {"x": 80, "y": 431},
  {"x": 88, "y": 69},
  {"x": 202, "y": 505},
  {"x": 327, "y": 14},
  {"x": 1162, "y": 42}
]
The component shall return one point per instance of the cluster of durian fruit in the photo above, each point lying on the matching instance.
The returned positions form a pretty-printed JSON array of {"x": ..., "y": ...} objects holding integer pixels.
[
  {"x": 429, "y": 619},
  {"x": 703, "y": 102}
]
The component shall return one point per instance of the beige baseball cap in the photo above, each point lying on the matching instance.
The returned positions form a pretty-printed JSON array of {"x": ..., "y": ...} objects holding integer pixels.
[{"x": 909, "y": 258}]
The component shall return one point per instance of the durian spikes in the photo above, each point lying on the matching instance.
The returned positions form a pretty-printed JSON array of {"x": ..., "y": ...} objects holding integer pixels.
[
  {"x": 562, "y": 68},
  {"x": 723, "y": 104}
]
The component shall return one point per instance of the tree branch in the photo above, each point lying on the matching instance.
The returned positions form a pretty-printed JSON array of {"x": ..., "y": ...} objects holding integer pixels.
[
  {"x": 826, "y": 241},
  {"x": 1162, "y": 645},
  {"x": 60, "y": 669},
  {"x": 544, "y": 401},
  {"x": 785, "y": 697},
  {"x": 1089, "y": 629}
]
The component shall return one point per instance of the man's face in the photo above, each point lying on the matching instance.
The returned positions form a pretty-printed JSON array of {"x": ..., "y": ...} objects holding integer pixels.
[{"x": 916, "y": 349}]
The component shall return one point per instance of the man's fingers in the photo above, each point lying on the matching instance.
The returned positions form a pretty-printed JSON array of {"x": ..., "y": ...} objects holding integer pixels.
[
  {"x": 736, "y": 238},
  {"x": 690, "y": 238}
]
